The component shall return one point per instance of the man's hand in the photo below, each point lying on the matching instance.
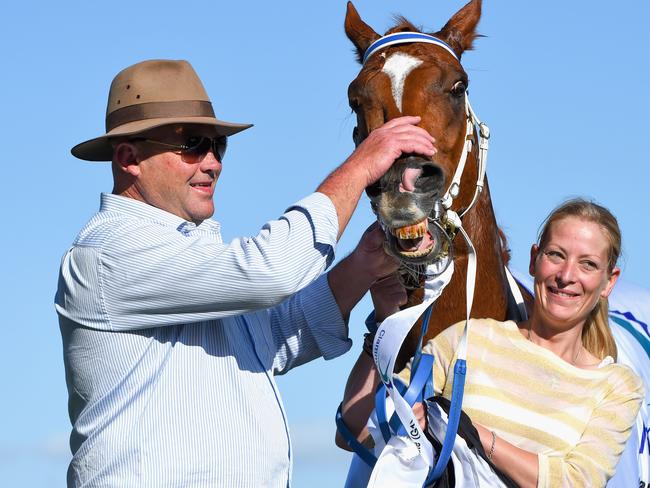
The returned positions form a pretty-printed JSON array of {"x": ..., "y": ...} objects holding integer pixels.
[
  {"x": 387, "y": 143},
  {"x": 372, "y": 158},
  {"x": 354, "y": 275},
  {"x": 388, "y": 294},
  {"x": 370, "y": 256}
]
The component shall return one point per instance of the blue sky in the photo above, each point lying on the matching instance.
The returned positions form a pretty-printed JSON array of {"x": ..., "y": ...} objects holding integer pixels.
[{"x": 562, "y": 85}]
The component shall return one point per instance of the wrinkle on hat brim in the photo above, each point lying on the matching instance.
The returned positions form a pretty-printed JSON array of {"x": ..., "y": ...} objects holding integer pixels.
[{"x": 100, "y": 148}]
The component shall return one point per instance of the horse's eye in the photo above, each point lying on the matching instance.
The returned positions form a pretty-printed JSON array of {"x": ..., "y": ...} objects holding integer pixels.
[{"x": 458, "y": 90}]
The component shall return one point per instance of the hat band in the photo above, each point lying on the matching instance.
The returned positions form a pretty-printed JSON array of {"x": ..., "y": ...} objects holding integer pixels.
[{"x": 158, "y": 110}]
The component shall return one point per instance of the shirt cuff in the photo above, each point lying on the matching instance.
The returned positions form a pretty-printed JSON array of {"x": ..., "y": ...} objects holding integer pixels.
[
  {"x": 324, "y": 217},
  {"x": 324, "y": 318}
]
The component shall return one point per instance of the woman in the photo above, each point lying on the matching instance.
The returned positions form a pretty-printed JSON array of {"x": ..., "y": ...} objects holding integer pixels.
[{"x": 550, "y": 405}]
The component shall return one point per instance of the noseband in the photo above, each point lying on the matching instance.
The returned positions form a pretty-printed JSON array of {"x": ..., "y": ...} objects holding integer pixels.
[{"x": 444, "y": 218}]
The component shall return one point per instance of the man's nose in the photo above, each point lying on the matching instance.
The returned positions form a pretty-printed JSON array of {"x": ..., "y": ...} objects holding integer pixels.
[{"x": 210, "y": 162}]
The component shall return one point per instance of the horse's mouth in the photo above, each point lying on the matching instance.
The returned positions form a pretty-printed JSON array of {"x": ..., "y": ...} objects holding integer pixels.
[{"x": 414, "y": 242}]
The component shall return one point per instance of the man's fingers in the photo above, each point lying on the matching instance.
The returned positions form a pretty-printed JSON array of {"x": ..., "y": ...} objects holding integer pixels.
[
  {"x": 385, "y": 144},
  {"x": 372, "y": 240},
  {"x": 375, "y": 236},
  {"x": 404, "y": 120},
  {"x": 396, "y": 126}
]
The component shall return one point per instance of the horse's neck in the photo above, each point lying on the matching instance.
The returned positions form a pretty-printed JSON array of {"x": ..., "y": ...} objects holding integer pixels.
[{"x": 490, "y": 296}]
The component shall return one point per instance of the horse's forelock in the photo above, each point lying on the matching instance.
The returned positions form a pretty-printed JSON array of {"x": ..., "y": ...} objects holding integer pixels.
[{"x": 402, "y": 24}]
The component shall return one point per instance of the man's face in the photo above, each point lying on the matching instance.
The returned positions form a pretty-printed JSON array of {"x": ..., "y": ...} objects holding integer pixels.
[{"x": 174, "y": 183}]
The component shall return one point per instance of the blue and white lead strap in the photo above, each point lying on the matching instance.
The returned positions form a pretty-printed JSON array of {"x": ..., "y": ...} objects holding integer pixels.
[
  {"x": 407, "y": 460},
  {"x": 404, "y": 460}
]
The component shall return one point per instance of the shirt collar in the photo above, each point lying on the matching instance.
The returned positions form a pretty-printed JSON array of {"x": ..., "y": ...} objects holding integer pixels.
[{"x": 118, "y": 203}]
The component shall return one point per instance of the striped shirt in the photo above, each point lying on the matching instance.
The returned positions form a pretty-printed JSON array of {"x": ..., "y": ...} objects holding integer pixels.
[
  {"x": 171, "y": 339},
  {"x": 576, "y": 420}
]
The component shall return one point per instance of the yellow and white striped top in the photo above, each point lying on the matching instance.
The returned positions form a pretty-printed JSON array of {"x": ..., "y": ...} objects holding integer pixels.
[{"x": 576, "y": 420}]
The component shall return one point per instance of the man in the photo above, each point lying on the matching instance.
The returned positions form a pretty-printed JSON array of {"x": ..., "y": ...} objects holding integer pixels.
[{"x": 171, "y": 337}]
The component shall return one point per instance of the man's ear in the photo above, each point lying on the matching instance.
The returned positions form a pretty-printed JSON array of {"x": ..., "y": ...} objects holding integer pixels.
[{"x": 126, "y": 157}]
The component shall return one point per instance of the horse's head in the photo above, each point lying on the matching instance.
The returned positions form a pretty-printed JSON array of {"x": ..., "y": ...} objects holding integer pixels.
[{"x": 415, "y": 79}]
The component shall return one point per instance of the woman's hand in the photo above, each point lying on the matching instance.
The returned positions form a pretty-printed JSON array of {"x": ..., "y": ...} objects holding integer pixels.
[{"x": 420, "y": 412}]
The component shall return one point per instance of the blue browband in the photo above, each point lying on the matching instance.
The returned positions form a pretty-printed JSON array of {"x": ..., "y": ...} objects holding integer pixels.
[{"x": 403, "y": 38}]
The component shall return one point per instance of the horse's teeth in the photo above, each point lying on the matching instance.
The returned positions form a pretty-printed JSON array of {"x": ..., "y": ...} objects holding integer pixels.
[{"x": 411, "y": 231}]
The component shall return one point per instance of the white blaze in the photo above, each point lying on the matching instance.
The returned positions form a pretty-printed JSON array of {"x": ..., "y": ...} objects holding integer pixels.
[{"x": 397, "y": 67}]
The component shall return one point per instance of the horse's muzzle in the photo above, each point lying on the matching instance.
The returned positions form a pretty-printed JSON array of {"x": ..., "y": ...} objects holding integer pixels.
[{"x": 404, "y": 201}]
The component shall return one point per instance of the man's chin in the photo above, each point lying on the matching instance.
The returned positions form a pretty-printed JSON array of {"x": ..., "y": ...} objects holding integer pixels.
[{"x": 198, "y": 215}]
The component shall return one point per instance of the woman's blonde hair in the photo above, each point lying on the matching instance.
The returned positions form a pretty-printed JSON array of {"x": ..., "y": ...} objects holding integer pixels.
[{"x": 596, "y": 335}]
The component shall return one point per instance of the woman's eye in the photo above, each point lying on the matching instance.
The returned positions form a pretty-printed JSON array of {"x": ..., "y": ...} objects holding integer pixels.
[
  {"x": 458, "y": 89},
  {"x": 589, "y": 265},
  {"x": 553, "y": 256}
]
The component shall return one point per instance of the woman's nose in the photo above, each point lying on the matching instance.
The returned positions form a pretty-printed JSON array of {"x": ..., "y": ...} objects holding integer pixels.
[{"x": 566, "y": 274}]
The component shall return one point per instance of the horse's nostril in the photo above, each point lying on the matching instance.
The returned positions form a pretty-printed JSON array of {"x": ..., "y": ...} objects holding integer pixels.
[
  {"x": 431, "y": 170},
  {"x": 430, "y": 179}
]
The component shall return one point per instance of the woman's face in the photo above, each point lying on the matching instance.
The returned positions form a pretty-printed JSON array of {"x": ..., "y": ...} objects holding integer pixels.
[{"x": 571, "y": 272}]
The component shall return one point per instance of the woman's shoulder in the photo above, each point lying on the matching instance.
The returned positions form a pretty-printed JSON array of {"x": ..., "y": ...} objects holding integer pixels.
[
  {"x": 621, "y": 384},
  {"x": 492, "y": 328},
  {"x": 621, "y": 375}
]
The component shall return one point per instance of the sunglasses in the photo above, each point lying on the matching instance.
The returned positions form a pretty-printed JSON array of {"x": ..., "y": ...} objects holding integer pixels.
[{"x": 195, "y": 148}]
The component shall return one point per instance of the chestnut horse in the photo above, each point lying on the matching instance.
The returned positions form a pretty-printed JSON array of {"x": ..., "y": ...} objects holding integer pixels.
[{"x": 427, "y": 80}]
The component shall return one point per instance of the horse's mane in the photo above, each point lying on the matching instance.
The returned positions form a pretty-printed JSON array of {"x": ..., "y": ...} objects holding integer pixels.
[{"x": 505, "y": 248}]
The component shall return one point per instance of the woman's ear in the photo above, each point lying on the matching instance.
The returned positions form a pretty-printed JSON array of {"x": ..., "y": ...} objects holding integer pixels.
[
  {"x": 611, "y": 281},
  {"x": 534, "y": 251}
]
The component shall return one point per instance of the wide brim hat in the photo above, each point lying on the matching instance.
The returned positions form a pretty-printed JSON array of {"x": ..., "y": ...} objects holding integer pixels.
[{"x": 152, "y": 94}]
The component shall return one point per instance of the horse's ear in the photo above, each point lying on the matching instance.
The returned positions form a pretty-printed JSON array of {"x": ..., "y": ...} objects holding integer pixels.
[
  {"x": 360, "y": 33},
  {"x": 460, "y": 31}
]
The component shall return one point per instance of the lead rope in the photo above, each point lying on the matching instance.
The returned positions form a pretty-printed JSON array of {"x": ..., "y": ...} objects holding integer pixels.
[{"x": 407, "y": 453}]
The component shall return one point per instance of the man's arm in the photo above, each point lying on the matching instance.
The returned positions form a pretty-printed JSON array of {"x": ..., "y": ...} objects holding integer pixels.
[
  {"x": 313, "y": 323},
  {"x": 138, "y": 274}
]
